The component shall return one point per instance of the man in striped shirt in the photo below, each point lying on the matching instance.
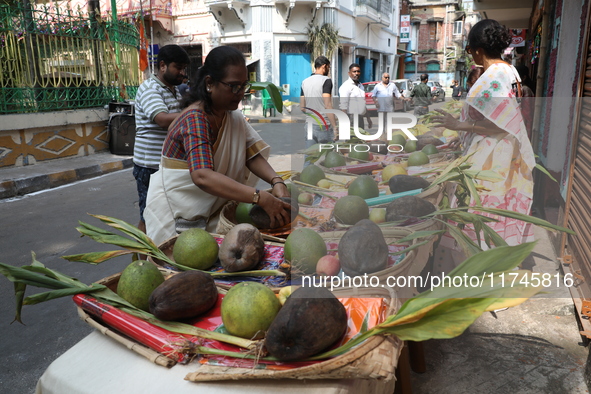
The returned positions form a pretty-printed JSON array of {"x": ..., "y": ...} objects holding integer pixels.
[{"x": 156, "y": 106}]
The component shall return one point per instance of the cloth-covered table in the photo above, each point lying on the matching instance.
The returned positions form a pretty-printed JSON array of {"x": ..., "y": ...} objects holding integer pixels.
[{"x": 98, "y": 365}]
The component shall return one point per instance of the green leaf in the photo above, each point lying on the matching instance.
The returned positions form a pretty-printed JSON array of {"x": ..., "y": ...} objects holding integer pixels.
[
  {"x": 21, "y": 275},
  {"x": 98, "y": 257},
  {"x": 420, "y": 234},
  {"x": 483, "y": 175},
  {"x": 19, "y": 293},
  {"x": 472, "y": 188},
  {"x": 127, "y": 229},
  {"x": 274, "y": 93},
  {"x": 523, "y": 217},
  {"x": 468, "y": 246},
  {"x": 51, "y": 295},
  {"x": 542, "y": 169}
]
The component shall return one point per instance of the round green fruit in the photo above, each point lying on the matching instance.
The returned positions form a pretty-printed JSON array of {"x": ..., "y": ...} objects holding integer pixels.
[
  {"x": 242, "y": 213},
  {"x": 355, "y": 155},
  {"x": 293, "y": 190},
  {"x": 350, "y": 210},
  {"x": 398, "y": 139},
  {"x": 137, "y": 282},
  {"x": 248, "y": 309},
  {"x": 364, "y": 187},
  {"x": 195, "y": 248},
  {"x": 333, "y": 159},
  {"x": 303, "y": 248},
  {"x": 410, "y": 146},
  {"x": 418, "y": 159},
  {"x": 429, "y": 149},
  {"x": 311, "y": 175}
]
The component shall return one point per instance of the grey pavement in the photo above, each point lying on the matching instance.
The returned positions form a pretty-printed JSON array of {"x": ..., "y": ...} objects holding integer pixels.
[{"x": 531, "y": 348}]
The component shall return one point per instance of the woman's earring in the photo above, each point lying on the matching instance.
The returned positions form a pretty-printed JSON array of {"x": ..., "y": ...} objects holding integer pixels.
[{"x": 209, "y": 89}]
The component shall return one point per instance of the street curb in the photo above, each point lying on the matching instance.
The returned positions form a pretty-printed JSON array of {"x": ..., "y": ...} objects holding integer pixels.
[
  {"x": 20, "y": 187},
  {"x": 276, "y": 121}
]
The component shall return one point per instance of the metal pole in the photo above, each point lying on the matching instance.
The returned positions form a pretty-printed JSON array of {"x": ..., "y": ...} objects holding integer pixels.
[{"x": 116, "y": 31}]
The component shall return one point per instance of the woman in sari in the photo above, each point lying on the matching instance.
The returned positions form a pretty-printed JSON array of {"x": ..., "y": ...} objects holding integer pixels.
[
  {"x": 212, "y": 155},
  {"x": 494, "y": 134}
]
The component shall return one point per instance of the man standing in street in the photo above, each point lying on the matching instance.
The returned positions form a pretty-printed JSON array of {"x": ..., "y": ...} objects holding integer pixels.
[
  {"x": 383, "y": 95},
  {"x": 352, "y": 97},
  {"x": 456, "y": 90},
  {"x": 156, "y": 106},
  {"x": 421, "y": 95},
  {"x": 316, "y": 94}
]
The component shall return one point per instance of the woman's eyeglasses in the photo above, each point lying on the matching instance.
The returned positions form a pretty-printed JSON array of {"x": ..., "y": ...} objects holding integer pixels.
[{"x": 236, "y": 88}]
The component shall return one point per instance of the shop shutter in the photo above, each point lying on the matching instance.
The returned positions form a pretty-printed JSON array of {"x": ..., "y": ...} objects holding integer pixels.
[{"x": 577, "y": 248}]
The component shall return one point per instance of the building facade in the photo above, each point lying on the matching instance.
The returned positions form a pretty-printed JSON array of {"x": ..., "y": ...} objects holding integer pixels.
[
  {"x": 273, "y": 34},
  {"x": 437, "y": 40}
]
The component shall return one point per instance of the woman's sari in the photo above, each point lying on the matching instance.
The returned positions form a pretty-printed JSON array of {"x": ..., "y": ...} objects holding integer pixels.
[
  {"x": 510, "y": 156},
  {"x": 175, "y": 203}
]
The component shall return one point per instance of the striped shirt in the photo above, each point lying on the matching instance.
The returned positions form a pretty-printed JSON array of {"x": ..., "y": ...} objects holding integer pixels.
[{"x": 153, "y": 97}]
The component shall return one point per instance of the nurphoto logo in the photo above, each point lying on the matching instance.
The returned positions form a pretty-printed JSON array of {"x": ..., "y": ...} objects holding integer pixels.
[{"x": 393, "y": 121}]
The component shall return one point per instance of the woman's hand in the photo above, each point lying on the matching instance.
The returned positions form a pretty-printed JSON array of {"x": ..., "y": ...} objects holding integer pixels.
[
  {"x": 454, "y": 143},
  {"x": 279, "y": 211},
  {"x": 280, "y": 190},
  {"x": 446, "y": 120}
]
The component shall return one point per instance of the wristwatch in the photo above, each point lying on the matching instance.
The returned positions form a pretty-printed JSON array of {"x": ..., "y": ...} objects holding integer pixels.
[{"x": 256, "y": 196}]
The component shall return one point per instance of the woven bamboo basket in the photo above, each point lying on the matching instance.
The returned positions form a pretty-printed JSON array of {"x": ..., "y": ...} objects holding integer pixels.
[
  {"x": 376, "y": 358},
  {"x": 228, "y": 221},
  {"x": 412, "y": 264}
]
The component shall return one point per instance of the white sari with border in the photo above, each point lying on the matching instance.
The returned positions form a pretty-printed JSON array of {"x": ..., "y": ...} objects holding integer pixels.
[{"x": 174, "y": 198}]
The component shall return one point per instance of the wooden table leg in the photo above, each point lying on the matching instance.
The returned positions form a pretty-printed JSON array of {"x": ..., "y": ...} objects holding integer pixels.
[
  {"x": 403, "y": 385},
  {"x": 417, "y": 356}
]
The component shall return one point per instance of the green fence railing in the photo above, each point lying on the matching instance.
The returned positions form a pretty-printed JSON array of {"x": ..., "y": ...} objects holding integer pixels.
[{"x": 53, "y": 59}]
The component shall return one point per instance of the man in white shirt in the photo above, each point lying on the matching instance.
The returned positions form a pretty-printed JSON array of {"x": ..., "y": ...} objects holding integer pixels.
[
  {"x": 383, "y": 94},
  {"x": 352, "y": 96}
]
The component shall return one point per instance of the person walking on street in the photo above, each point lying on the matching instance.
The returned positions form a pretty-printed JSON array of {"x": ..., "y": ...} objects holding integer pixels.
[
  {"x": 352, "y": 97},
  {"x": 383, "y": 94},
  {"x": 456, "y": 90},
  {"x": 156, "y": 107},
  {"x": 421, "y": 95},
  {"x": 316, "y": 95}
]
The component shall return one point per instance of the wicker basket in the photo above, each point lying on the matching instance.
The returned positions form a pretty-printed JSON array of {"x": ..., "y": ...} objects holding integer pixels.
[
  {"x": 376, "y": 358},
  {"x": 412, "y": 264},
  {"x": 228, "y": 221}
]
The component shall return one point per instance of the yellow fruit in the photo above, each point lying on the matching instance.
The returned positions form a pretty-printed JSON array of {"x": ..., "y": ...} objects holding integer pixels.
[
  {"x": 137, "y": 281},
  {"x": 195, "y": 248},
  {"x": 391, "y": 170},
  {"x": 447, "y": 133},
  {"x": 284, "y": 293},
  {"x": 248, "y": 309},
  {"x": 324, "y": 183}
]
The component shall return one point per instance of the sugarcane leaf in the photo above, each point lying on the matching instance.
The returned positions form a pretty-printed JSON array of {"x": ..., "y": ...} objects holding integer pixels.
[
  {"x": 99, "y": 257},
  {"x": 22, "y": 275},
  {"x": 51, "y": 295},
  {"x": 127, "y": 229},
  {"x": 483, "y": 175},
  {"x": 545, "y": 171},
  {"x": 493, "y": 236},
  {"x": 90, "y": 228},
  {"x": 525, "y": 218},
  {"x": 420, "y": 234},
  {"x": 412, "y": 247},
  {"x": 365, "y": 323},
  {"x": 19, "y": 294},
  {"x": 468, "y": 246},
  {"x": 114, "y": 239},
  {"x": 472, "y": 188}
]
